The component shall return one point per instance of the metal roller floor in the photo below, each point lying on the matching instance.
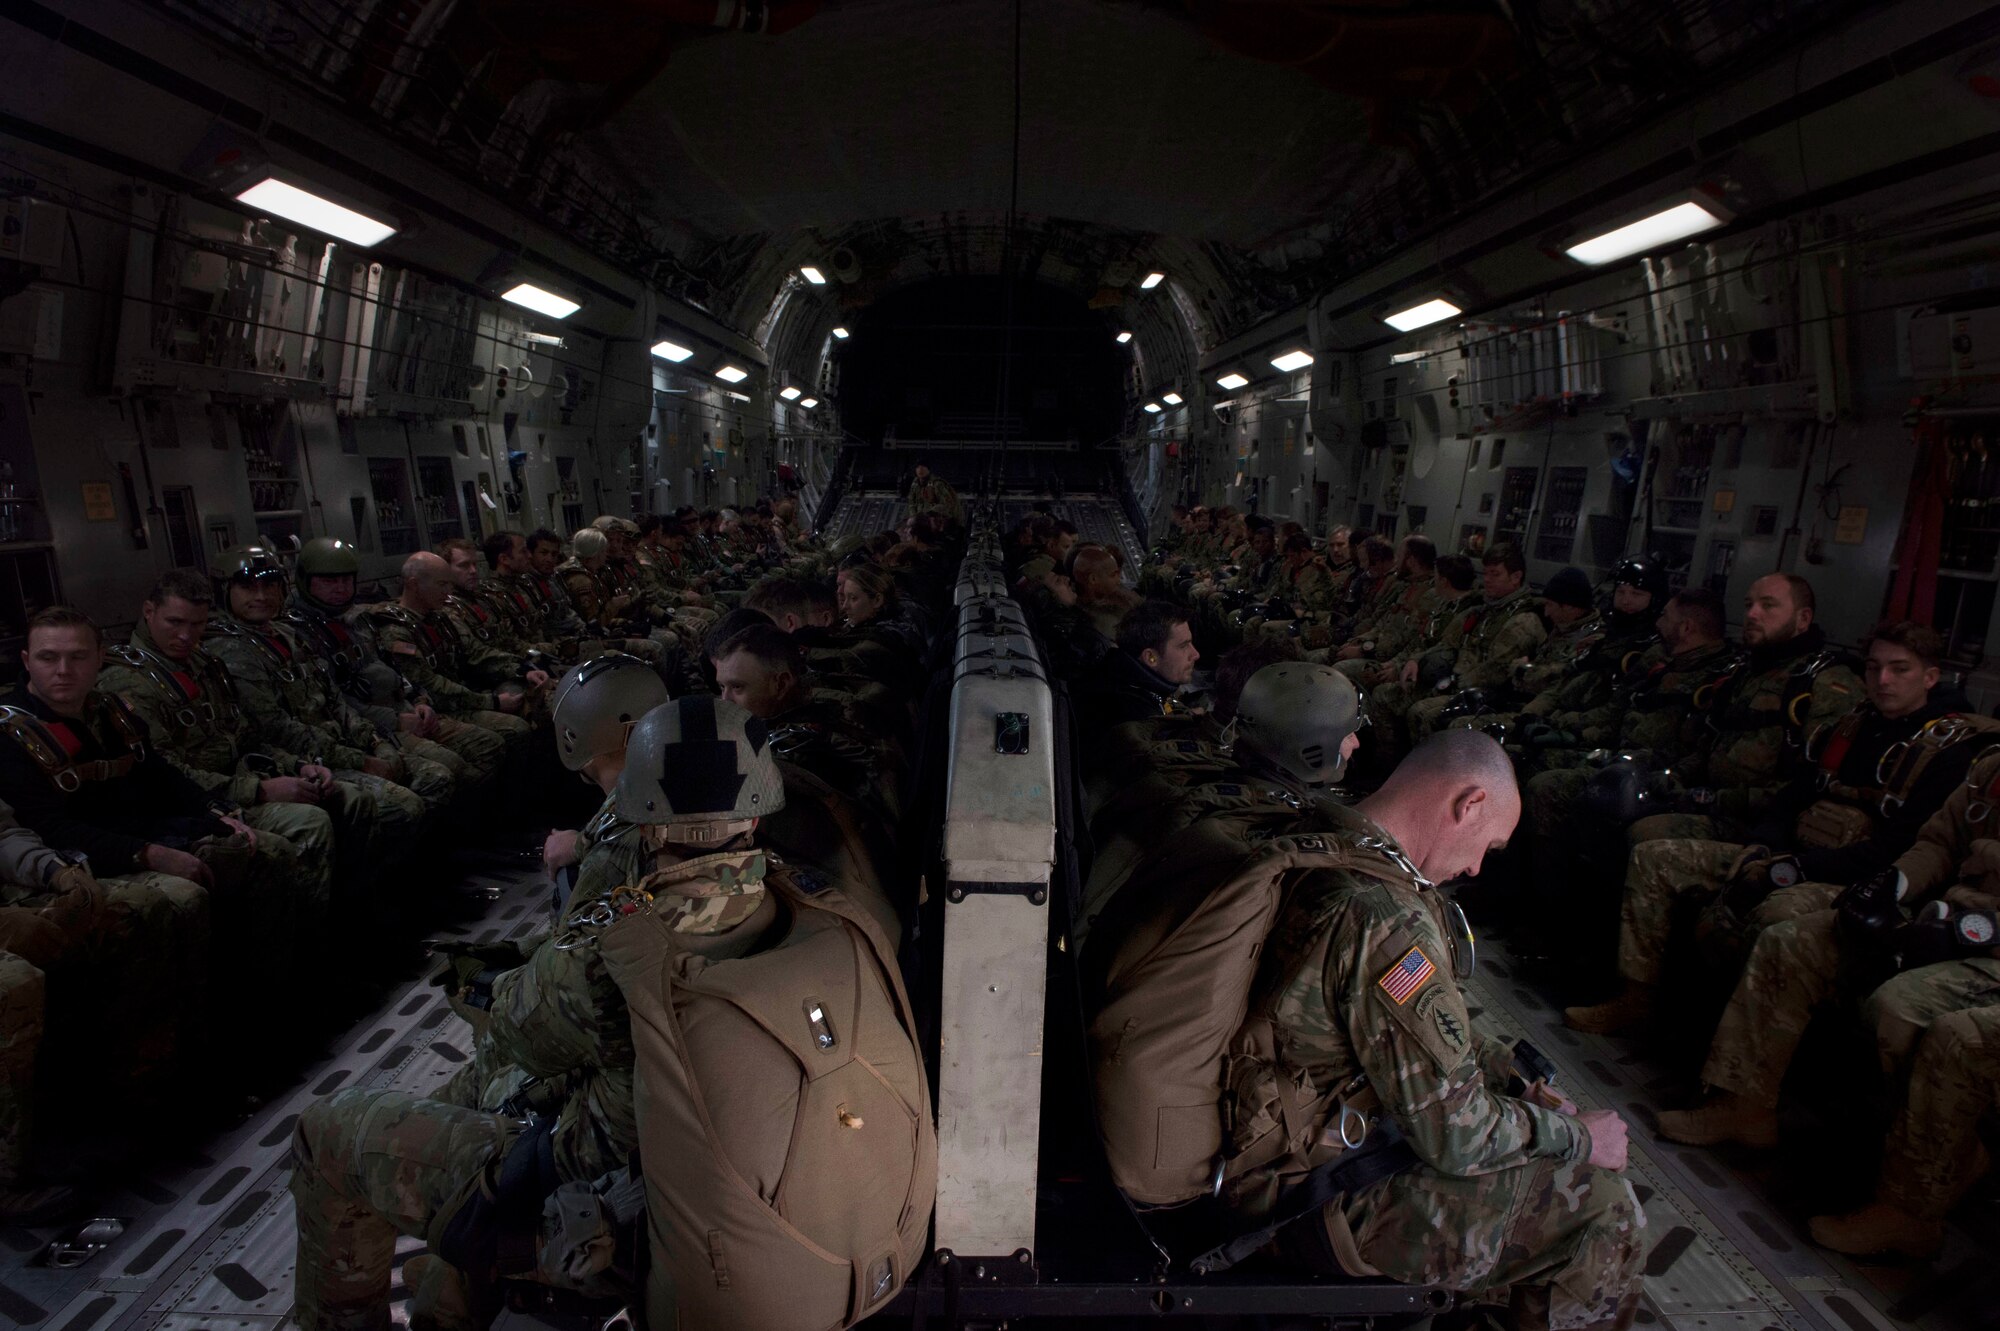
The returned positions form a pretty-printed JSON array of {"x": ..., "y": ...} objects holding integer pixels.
[{"x": 208, "y": 1241}]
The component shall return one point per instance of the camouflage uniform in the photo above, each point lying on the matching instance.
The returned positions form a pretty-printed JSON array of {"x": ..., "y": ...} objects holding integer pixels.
[
  {"x": 934, "y": 494},
  {"x": 1930, "y": 1156},
  {"x": 1504, "y": 631},
  {"x": 191, "y": 715},
  {"x": 1356, "y": 981},
  {"x": 426, "y": 650},
  {"x": 348, "y": 650},
  {"x": 1557, "y": 656},
  {"x": 373, "y": 1164},
  {"x": 23, "y": 998},
  {"x": 1800, "y": 966},
  {"x": 1401, "y": 624},
  {"x": 292, "y": 700}
]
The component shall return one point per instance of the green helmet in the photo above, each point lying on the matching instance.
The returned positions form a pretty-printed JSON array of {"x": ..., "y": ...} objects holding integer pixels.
[
  {"x": 608, "y": 523},
  {"x": 1293, "y": 717},
  {"x": 248, "y": 563},
  {"x": 597, "y": 704},
  {"x": 327, "y": 557},
  {"x": 702, "y": 768}
]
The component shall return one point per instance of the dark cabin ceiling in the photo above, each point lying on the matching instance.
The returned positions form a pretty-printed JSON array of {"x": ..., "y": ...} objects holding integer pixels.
[{"x": 1258, "y": 150}]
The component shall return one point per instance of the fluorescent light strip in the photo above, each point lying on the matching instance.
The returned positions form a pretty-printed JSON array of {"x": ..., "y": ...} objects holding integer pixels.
[
  {"x": 1232, "y": 381},
  {"x": 672, "y": 351},
  {"x": 544, "y": 339},
  {"x": 1171, "y": 399},
  {"x": 789, "y": 393},
  {"x": 1405, "y": 357},
  {"x": 293, "y": 204},
  {"x": 1292, "y": 360},
  {"x": 531, "y": 297},
  {"x": 1648, "y": 233},
  {"x": 1124, "y": 337},
  {"x": 729, "y": 374},
  {"x": 813, "y": 275},
  {"x": 810, "y": 403},
  {"x": 1152, "y": 280},
  {"x": 1153, "y": 408},
  {"x": 840, "y": 333},
  {"x": 1421, "y": 316}
]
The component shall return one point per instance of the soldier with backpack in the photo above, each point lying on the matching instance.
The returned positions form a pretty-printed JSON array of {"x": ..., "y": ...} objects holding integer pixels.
[{"x": 1338, "y": 1098}]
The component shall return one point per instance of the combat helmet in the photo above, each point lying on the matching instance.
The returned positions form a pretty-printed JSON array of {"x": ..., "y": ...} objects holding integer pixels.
[
  {"x": 328, "y": 557},
  {"x": 599, "y": 702},
  {"x": 609, "y": 523},
  {"x": 1293, "y": 716},
  {"x": 1646, "y": 573},
  {"x": 249, "y": 563},
  {"x": 700, "y": 769}
]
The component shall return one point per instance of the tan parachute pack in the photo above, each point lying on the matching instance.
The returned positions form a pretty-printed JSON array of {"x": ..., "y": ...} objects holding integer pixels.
[
  {"x": 784, "y": 1120},
  {"x": 1167, "y": 989}
]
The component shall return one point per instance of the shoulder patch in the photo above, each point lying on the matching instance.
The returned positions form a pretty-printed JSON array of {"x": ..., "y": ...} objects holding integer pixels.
[
  {"x": 810, "y": 881},
  {"x": 403, "y": 648},
  {"x": 1407, "y": 976}
]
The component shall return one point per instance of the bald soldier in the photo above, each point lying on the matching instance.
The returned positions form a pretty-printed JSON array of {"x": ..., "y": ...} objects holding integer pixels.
[
  {"x": 420, "y": 642},
  {"x": 1507, "y": 1194}
]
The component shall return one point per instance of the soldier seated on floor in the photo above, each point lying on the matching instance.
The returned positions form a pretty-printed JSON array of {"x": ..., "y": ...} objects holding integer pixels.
[{"x": 1877, "y": 775}]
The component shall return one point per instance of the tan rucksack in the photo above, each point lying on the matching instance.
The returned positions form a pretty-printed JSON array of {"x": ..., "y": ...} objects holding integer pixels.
[
  {"x": 784, "y": 1120},
  {"x": 1168, "y": 988}
]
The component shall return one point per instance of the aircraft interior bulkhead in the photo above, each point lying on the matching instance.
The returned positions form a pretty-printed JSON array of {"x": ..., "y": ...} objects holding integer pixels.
[{"x": 767, "y": 664}]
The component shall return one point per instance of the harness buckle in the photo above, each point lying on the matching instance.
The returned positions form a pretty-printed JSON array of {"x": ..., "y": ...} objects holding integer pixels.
[{"x": 1350, "y": 1115}]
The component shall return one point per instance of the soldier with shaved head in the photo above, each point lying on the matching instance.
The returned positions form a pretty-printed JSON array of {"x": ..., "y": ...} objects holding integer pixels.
[{"x": 420, "y": 642}]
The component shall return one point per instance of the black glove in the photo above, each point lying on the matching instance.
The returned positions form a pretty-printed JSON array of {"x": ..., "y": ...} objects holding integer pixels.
[{"x": 1868, "y": 909}]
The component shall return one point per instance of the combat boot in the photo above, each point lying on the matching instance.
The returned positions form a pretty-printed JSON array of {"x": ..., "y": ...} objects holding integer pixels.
[
  {"x": 1876, "y": 1228},
  {"x": 1725, "y": 1118},
  {"x": 1631, "y": 1007}
]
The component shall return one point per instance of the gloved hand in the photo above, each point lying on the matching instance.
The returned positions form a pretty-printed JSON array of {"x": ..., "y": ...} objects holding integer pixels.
[{"x": 1869, "y": 910}]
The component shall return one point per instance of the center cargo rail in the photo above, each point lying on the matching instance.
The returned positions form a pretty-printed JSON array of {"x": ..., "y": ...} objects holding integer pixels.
[{"x": 1028, "y": 1222}]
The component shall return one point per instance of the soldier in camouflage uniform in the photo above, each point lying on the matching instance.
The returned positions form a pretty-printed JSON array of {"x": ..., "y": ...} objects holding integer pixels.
[
  {"x": 934, "y": 494},
  {"x": 1589, "y": 695},
  {"x": 327, "y": 625},
  {"x": 1398, "y": 622},
  {"x": 425, "y": 648},
  {"x": 1575, "y": 631},
  {"x": 1509, "y": 1197},
  {"x": 609, "y": 616},
  {"x": 372, "y": 1164},
  {"x": 1792, "y": 686},
  {"x": 291, "y": 698},
  {"x": 189, "y": 708},
  {"x": 491, "y": 637},
  {"x": 1879, "y": 773},
  {"x": 539, "y": 583},
  {"x": 1367, "y": 596},
  {"x": 1506, "y": 632},
  {"x": 1804, "y": 965}
]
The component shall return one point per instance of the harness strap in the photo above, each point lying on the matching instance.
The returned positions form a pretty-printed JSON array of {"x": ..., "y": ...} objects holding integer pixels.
[{"x": 1384, "y": 1154}]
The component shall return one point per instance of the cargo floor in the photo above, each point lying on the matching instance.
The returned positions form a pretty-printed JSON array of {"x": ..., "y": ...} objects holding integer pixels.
[{"x": 207, "y": 1238}]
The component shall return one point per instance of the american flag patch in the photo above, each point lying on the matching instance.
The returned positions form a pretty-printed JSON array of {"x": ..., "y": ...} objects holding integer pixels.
[{"x": 1407, "y": 976}]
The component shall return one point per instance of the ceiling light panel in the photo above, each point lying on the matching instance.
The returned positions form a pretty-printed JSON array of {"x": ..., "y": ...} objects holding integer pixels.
[
  {"x": 275, "y": 197},
  {"x": 1232, "y": 381},
  {"x": 1153, "y": 408},
  {"x": 840, "y": 333},
  {"x": 541, "y": 300},
  {"x": 813, "y": 275},
  {"x": 672, "y": 351},
  {"x": 1292, "y": 360},
  {"x": 1171, "y": 399},
  {"x": 789, "y": 393},
  {"x": 729, "y": 374},
  {"x": 1152, "y": 280},
  {"x": 1124, "y": 337},
  {"x": 810, "y": 403},
  {"x": 1421, "y": 316},
  {"x": 1648, "y": 233}
]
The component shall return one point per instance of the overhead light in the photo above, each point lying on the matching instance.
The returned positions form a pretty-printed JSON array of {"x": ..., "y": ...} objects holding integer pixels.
[
  {"x": 729, "y": 374},
  {"x": 544, "y": 339},
  {"x": 840, "y": 333},
  {"x": 1124, "y": 337},
  {"x": 1152, "y": 280},
  {"x": 810, "y": 403},
  {"x": 1171, "y": 399},
  {"x": 542, "y": 301},
  {"x": 735, "y": 396},
  {"x": 1292, "y": 360},
  {"x": 1649, "y": 233},
  {"x": 789, "y": 393},
  {"x": 672, "y": 351},
  {"x": 1405, "y": 357},
  {"x": 1421, "y": 316},
  {"x": 813, "y": 275},
  {"x": 1231, "y": 381},
  {"x": 1153, "y": 407},
  {"x": 275, "y": 197}
]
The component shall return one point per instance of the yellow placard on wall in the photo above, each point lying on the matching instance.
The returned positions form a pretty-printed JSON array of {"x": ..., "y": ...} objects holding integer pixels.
[
  {"x": 97, "y": 505},
  {"x": 1852, "y": 528},
  {"x": 1725, "y": 501}
]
